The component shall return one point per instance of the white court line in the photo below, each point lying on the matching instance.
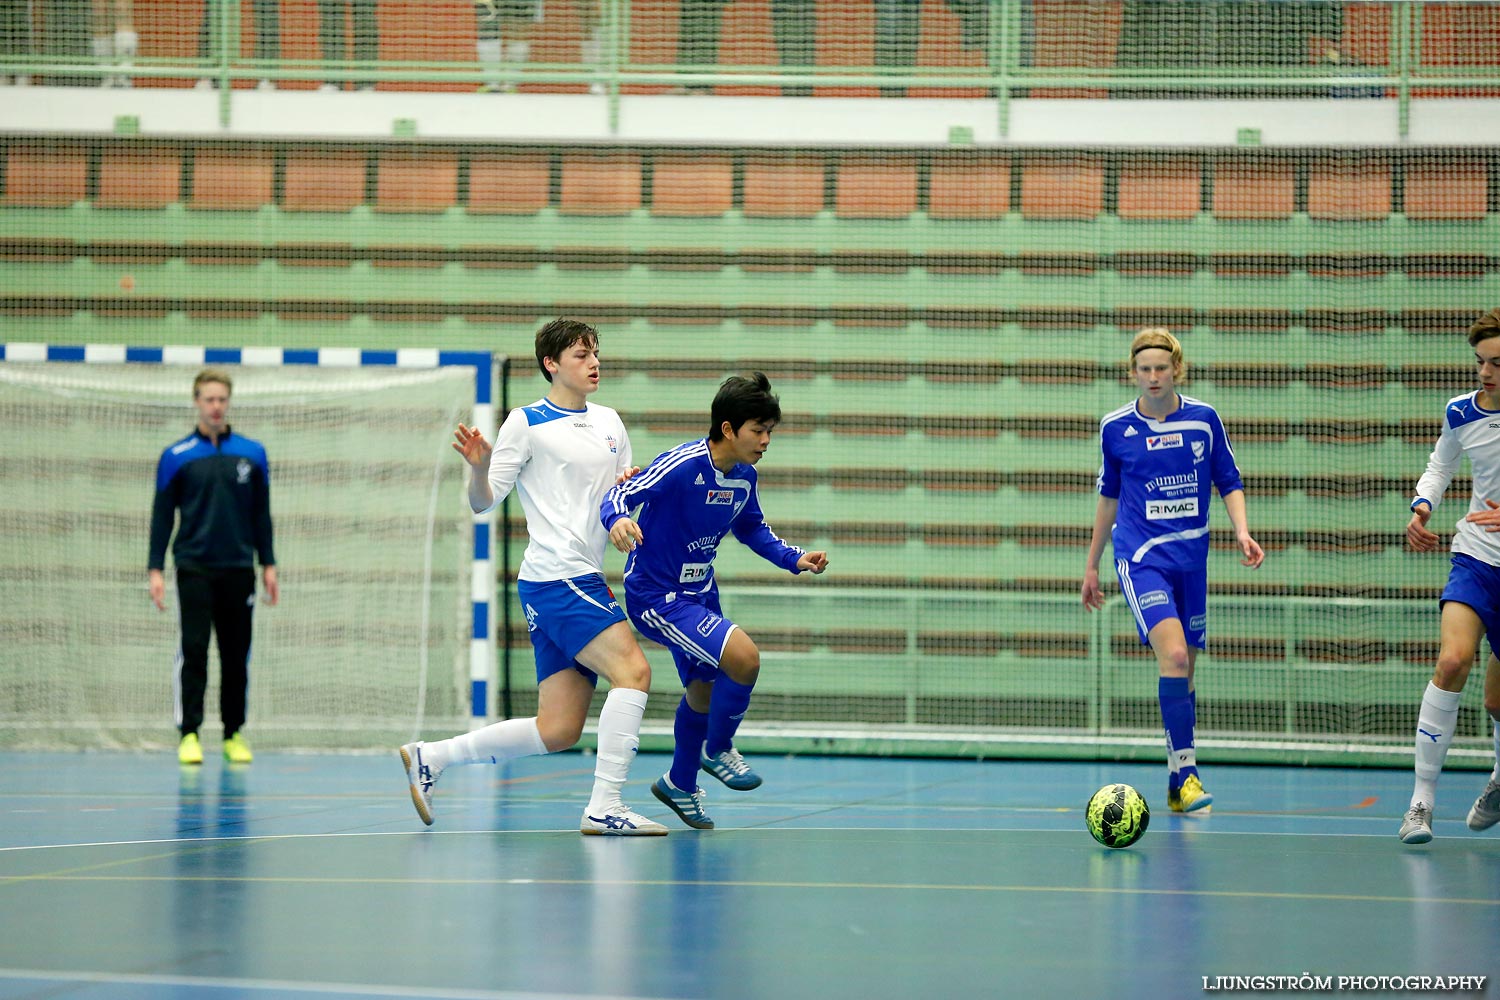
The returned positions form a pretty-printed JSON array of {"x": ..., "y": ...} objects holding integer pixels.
[{"x": 284, "y": 985}]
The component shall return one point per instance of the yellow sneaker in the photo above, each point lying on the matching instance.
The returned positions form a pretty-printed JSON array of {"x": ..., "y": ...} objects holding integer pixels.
[
  {"x": 237, "y": 751},
  {"x": 189, "y": 751},
  {"x": 1190, "y": 797}
]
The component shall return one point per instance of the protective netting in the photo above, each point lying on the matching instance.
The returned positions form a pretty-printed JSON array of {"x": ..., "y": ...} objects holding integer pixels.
[
  {"x": 372, "y": 546},
  {"x": 945, "y": 315},
  {"x": 859, "y": 48}
]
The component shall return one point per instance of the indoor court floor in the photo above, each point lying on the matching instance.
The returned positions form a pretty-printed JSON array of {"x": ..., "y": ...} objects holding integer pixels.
[{"x": 310, "y": 876}]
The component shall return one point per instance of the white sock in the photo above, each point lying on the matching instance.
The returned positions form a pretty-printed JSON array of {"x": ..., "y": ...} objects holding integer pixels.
[
  {"x": 490, "y": 745},
  {"x": 1495, "y": 775},
  {"x": 619, "y": 739},
  {"x": 1435, "y": 722}
]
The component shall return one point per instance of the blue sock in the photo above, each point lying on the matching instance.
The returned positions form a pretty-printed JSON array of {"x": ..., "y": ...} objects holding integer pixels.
[
  {"x": 688, "y": 730},
  {"x": 726, "y": 709},
  {"x": 1178, "y": 717}
]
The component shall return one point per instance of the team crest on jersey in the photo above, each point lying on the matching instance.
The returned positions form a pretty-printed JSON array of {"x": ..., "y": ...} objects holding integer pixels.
[
  {"x": 1197, "y": 452},
  {"x": 1156, "y": 442},
  {"x": 614, "y": 448},
  {"x": 724, "y": 497},
  {"x": 242, "y": 472}
]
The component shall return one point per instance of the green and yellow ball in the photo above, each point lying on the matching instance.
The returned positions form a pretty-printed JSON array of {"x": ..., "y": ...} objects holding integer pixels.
[{"x": 1117, "y": 815}]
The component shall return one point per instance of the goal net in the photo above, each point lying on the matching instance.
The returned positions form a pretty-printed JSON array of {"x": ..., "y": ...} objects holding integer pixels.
[{"x": 371, "y": 636}]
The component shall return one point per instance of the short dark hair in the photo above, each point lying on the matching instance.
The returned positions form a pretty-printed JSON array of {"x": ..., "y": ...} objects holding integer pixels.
[
  {"x": 741, "y": 399},
  {"x": 559, "y": 335},
  {"x": 1485, "y": 327}
]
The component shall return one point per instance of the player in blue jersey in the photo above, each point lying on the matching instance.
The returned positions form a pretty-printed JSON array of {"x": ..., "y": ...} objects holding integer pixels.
[
  {"x": 1162, "y": 454},
  {"x": 560, "y": 454},
  {"x": 1470, "y": 603},
  {"x": 688, "y": 499},
  {"x": 216, "y": 485}
]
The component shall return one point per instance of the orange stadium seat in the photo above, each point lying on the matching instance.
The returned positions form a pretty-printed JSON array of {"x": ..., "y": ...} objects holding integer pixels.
[
  {"x": 1457, "y": 190},
  {"x": 416, "y": 181},
  {"x": 968, "y": 186},
  {"x": 1062, "y": 187},
  {"x": 699, "y": 185},
  {"x": 1343, "y": 191},
  {"x": 1076, "y": 34},
  {"x": 1169, "y": 188},
  {"x": 509, "y": 183},
  {"x": 233, "y": 180},
  {"x": 875, "y": 187},
  {"x": 147, "y": 178},
  {"x": 600, "y": 183},
  {"x": 784, "y": 187},
  {"x": 1254, "y": 188},
  {"x": 50, "y": 176},
  {"x": 323, "y": 180}
]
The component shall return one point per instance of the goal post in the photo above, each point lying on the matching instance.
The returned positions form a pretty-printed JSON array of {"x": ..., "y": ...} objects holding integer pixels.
[{"x": 386, "y": 623}]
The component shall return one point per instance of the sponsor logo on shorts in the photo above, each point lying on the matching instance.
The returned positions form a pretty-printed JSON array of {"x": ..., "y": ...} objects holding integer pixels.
[
  {"x": 1198, "y": 623},
  {"x": 1157, "y": 442},
  {"x": 1167, "y": 510},
  {"x": 725, "y": 497},
  {"x": 695, "y": 572},
  {"x": 707, "y": 625},
  {"x": 1151, "y": 599}
]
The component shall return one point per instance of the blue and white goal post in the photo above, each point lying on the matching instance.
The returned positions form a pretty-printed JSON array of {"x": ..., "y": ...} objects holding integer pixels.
[{"x": 310, "y": 397}]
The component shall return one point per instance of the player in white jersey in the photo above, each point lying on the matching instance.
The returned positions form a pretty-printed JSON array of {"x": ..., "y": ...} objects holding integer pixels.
[
  {"x": 1470, "y": 603},
  {"x": 1161, "y": 456},
  {"x": 560, "y": 454}
]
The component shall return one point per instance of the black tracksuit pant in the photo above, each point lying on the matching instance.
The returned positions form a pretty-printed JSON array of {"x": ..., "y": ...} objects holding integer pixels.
[{"x": 221, "y": 600}]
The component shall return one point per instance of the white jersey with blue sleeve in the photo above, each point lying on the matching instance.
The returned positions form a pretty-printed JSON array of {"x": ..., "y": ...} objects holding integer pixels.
[
  {"x": 1161, "y": 472},
  {"x": 561, "y": 463},
  {"x": 1468, "y": 429},
  {"x": 687, "y": 506}
]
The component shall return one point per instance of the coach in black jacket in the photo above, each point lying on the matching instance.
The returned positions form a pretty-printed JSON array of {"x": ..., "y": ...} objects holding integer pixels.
[{"x": 221, "y": 483}]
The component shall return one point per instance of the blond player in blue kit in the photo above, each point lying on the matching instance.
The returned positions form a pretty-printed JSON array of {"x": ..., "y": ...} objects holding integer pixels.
[
  {"x": 1470, "y": 603},
  {"x": 560, "y": 454},
  {"x": 1163, "y": 453}
]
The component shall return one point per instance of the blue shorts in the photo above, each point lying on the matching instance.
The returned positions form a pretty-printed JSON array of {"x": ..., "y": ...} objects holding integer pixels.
[
  {"x": 562, "y": 617},
  {"x": 1475, "y": 583},
  {"x": 694, "y": 629},
  {"x": 1154, "y": 595}
]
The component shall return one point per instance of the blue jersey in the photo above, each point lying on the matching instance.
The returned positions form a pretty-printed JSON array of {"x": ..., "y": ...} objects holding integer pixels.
[
  {"x": 223, "y": 491},
  {"x": 687, "y": 506},
  {"x": 1161, "y": 471}
]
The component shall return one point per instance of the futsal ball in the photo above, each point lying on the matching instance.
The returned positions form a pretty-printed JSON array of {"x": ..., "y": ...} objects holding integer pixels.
[{"x": 1117, "y": 815}]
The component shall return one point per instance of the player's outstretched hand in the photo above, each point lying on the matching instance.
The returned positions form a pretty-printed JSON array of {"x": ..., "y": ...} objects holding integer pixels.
[
  {"x": 1490, "y": 518},
  {"x": 1254, "y": 554},
  {"x": 1092, "y": 593},
  {"x": 470, "y": 443},
  {"x": 625, "y": 534},
  {"x": 1417, "y": 535},
  {"x": 815, "y": 561}
]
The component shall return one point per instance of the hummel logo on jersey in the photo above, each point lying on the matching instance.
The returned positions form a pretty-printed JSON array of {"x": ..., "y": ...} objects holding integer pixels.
[
  {"x": 725, "y": 497},
  {"x": 1130, "y": 432},
  {"x": 1156, "y": 442},
  {"x": 699, "y": 480}
]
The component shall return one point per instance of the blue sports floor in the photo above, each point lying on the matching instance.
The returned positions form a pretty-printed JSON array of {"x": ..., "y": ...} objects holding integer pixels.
[{"x": 123, "y": 875}]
